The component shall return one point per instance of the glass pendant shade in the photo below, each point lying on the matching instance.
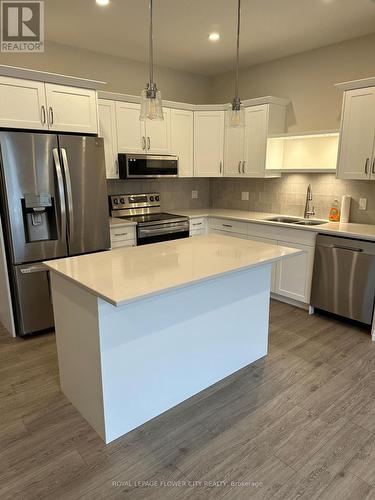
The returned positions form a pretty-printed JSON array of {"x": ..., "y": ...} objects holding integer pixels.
[
  {"x": 151, "y": 104},
  {"x": 236, "y": 115}
]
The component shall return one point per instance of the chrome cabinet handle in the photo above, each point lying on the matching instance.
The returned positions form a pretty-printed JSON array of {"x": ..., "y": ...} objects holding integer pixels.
[
  {"x": 60, "y": 186},
  {"x": 239, "y": 167},
  {"x": 197, "y": 223},
  {"x": 43, "y": 115},
  {"x": 69, "y": 193},
  {"x": 121, "y": 234},
  {"x": 220, "y": 166},
  {"x": 366, "y": 165},
  {"x": 243, "y": 166},
  {"x": 148, "y": 143},
  {"x": 227, "y": 225},
  {"x": 143, "y": 142},
  {"x": 373, "y": 166},
  {"x": 51, "y": 115}
]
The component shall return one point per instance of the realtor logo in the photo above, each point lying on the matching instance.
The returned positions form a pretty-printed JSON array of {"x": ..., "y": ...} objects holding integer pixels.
[{"x": 22, "y": 26}]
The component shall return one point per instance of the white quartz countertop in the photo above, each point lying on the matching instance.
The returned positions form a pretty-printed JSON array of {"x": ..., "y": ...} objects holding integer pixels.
[
  {"x": 127, "y": 274},
  {"x": 349, "y": 230}
]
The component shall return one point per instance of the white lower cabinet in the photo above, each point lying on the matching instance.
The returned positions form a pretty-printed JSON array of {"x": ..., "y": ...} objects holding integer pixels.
[
  {"x": 291, "y": 277},
  {"x": 123, "y": 236},
  {"x": 197, "y": 226},
  {"x": 294, "y": 274}
]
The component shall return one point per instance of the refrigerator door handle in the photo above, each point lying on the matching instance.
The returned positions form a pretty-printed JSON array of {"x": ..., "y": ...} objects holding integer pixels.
[
  {"x": 69, "y": 193},
  {"x": 60, "y": 186}
]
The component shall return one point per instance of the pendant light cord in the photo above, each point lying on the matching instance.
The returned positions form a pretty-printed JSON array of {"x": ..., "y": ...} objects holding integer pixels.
[
  {"x": 151, "y": 45},
  {"x": 238, "y": 48}
]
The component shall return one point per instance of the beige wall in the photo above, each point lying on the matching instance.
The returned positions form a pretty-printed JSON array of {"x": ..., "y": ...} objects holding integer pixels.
[
  {"x": 122, "y": 75},
  {"x": 307, "y": 79}
]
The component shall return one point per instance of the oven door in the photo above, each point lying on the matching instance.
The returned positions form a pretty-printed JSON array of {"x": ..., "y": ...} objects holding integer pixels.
[
  {"x": 162, "y": 232},
  {"x": 147, "y": 166}
]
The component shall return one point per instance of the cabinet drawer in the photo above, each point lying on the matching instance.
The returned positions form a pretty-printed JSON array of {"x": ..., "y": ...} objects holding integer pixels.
[
  {"x": 124, "y": 243},
  {"x": 283, "y": 233},
  {"x": 122, "y": 233},
  {"x": 230, "y": 226},
  {"x": 198, "y": 224},
  {"x": 197, "y": 232}
]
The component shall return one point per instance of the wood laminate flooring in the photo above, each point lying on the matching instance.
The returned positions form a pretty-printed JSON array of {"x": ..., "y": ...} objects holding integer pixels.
[{"x": 299, "y": 423}]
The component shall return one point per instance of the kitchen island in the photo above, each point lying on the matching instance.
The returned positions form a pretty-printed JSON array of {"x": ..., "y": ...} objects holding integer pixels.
[{"x": 141, "y": 329}]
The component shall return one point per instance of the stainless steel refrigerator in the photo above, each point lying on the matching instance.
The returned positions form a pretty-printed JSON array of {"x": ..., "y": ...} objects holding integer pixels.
[{"x": 53, "y": 205}]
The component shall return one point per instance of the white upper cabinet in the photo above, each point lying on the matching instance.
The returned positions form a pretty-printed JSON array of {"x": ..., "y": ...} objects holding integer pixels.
[
  {"x": 23, "y": 104},
  {"x": 71, "y": 109},
  {"x": 136, "y": 136},
  {"x": 356, "y": 159},
  {"x": 246, "y": 148},
  {"x": 182, "y": 145},
  {"x": 208, "y": 143},
  {"x": 107, "y": 130},
  {"x": 130, "y": 130},
  {"x": 158, "y": 134},
  {"x": 256, "y": 133},
  {"x": 234, "y": 157}
]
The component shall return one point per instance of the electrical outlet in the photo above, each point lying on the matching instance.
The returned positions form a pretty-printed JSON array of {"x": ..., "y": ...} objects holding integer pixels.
[
  {"x": 362, "y": 204},
  {"x": 245, "y": 195},
  {"x": 194, "y": 194}
]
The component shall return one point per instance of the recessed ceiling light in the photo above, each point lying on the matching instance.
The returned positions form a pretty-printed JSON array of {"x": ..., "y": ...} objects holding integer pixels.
[
  {"x": 214, "y": 37},
  {"x": 102, "y": 2}
]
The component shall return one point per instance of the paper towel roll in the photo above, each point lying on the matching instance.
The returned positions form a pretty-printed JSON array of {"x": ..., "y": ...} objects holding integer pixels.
[{"x": 345, "y": 208}]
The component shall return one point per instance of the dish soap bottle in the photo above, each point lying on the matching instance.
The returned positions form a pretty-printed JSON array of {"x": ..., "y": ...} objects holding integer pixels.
[{"x": 334, "y": 213}]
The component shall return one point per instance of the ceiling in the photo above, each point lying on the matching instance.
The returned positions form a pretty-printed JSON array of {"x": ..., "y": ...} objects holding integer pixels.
[{"x": 270, "y": 29}]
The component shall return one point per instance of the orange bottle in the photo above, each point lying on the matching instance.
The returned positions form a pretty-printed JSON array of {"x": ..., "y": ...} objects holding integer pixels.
[{"x": 334, "y": 213}]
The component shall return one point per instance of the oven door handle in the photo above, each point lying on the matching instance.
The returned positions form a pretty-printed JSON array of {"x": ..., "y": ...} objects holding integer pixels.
[{"x": 163, "y": 230}]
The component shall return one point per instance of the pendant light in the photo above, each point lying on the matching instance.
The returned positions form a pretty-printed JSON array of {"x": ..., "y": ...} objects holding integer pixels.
[
  {"x": 151, "y": 103},
  {"x": 236, "y": 112}
]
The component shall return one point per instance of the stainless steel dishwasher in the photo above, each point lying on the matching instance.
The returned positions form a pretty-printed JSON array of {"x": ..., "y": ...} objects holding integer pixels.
[{"x": 344, "y": 277}]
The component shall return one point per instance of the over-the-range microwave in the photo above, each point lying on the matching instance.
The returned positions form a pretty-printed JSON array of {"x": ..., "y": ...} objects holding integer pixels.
[{"x": 138, "y": 166}]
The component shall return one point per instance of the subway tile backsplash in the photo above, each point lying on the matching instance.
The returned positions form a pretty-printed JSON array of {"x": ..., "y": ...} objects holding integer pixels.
[{"x": 284, "y": 195}]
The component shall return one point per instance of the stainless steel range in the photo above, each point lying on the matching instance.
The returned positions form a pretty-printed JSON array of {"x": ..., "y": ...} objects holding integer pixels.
[{"x": 153, "y": 226}]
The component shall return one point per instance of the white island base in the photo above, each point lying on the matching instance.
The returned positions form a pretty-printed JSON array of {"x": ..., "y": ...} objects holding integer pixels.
[{"x": 121, "y": 366}]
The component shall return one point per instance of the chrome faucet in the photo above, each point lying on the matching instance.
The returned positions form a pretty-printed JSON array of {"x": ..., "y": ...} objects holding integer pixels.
[{"x": 309, "y": 207}]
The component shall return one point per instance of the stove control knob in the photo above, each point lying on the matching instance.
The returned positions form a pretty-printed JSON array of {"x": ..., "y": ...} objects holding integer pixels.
[
  {"x": 157, "y": 198},
  {"x": 115, "y": 201},
  {"x": 122, "y": 201},
  {"x": 151, "y": 198}
]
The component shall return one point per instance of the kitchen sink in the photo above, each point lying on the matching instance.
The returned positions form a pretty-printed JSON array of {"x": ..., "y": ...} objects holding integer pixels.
[
  {"x": 294, "y": 220},
  {"x": 309, "y": 222},
  {"x": 286, "y": 220}
]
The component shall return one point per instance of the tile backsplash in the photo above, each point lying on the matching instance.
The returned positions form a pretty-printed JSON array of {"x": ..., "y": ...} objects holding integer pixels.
[
  {"x": 175, "y": 193},
  {"x": 284, "y": 195}
]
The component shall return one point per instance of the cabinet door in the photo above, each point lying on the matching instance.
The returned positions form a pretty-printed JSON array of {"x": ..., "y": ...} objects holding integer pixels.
[
  {"x": 131, "y": 137},
  {"x": 158, "y": 134},
  {"x": 293, "y": 274},
  {"x": 72, "y": 109},
  {"x": 274, "y": 265},
  {"x": 234, "y": 151},
  {"x": 256, "y": 120},
  {"x": 107, "y": 130},
  {"x": 23, "y": 104},
  {"x": 208, "y": 143},
  {"x": 182, "y": 126},
  {"x": 357, "y": 134}
]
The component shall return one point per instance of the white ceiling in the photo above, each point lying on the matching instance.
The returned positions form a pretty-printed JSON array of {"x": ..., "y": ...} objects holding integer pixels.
[{"x": 270, "y": 28}]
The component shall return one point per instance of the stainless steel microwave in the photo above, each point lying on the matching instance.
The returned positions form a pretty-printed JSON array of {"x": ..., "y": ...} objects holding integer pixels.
[{"x": 134, "y": 166}]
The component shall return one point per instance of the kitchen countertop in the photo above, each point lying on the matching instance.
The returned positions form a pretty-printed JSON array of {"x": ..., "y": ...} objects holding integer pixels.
[
  {"x": 349, "y": 230},
  {"x": 127, "y": 274}
]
